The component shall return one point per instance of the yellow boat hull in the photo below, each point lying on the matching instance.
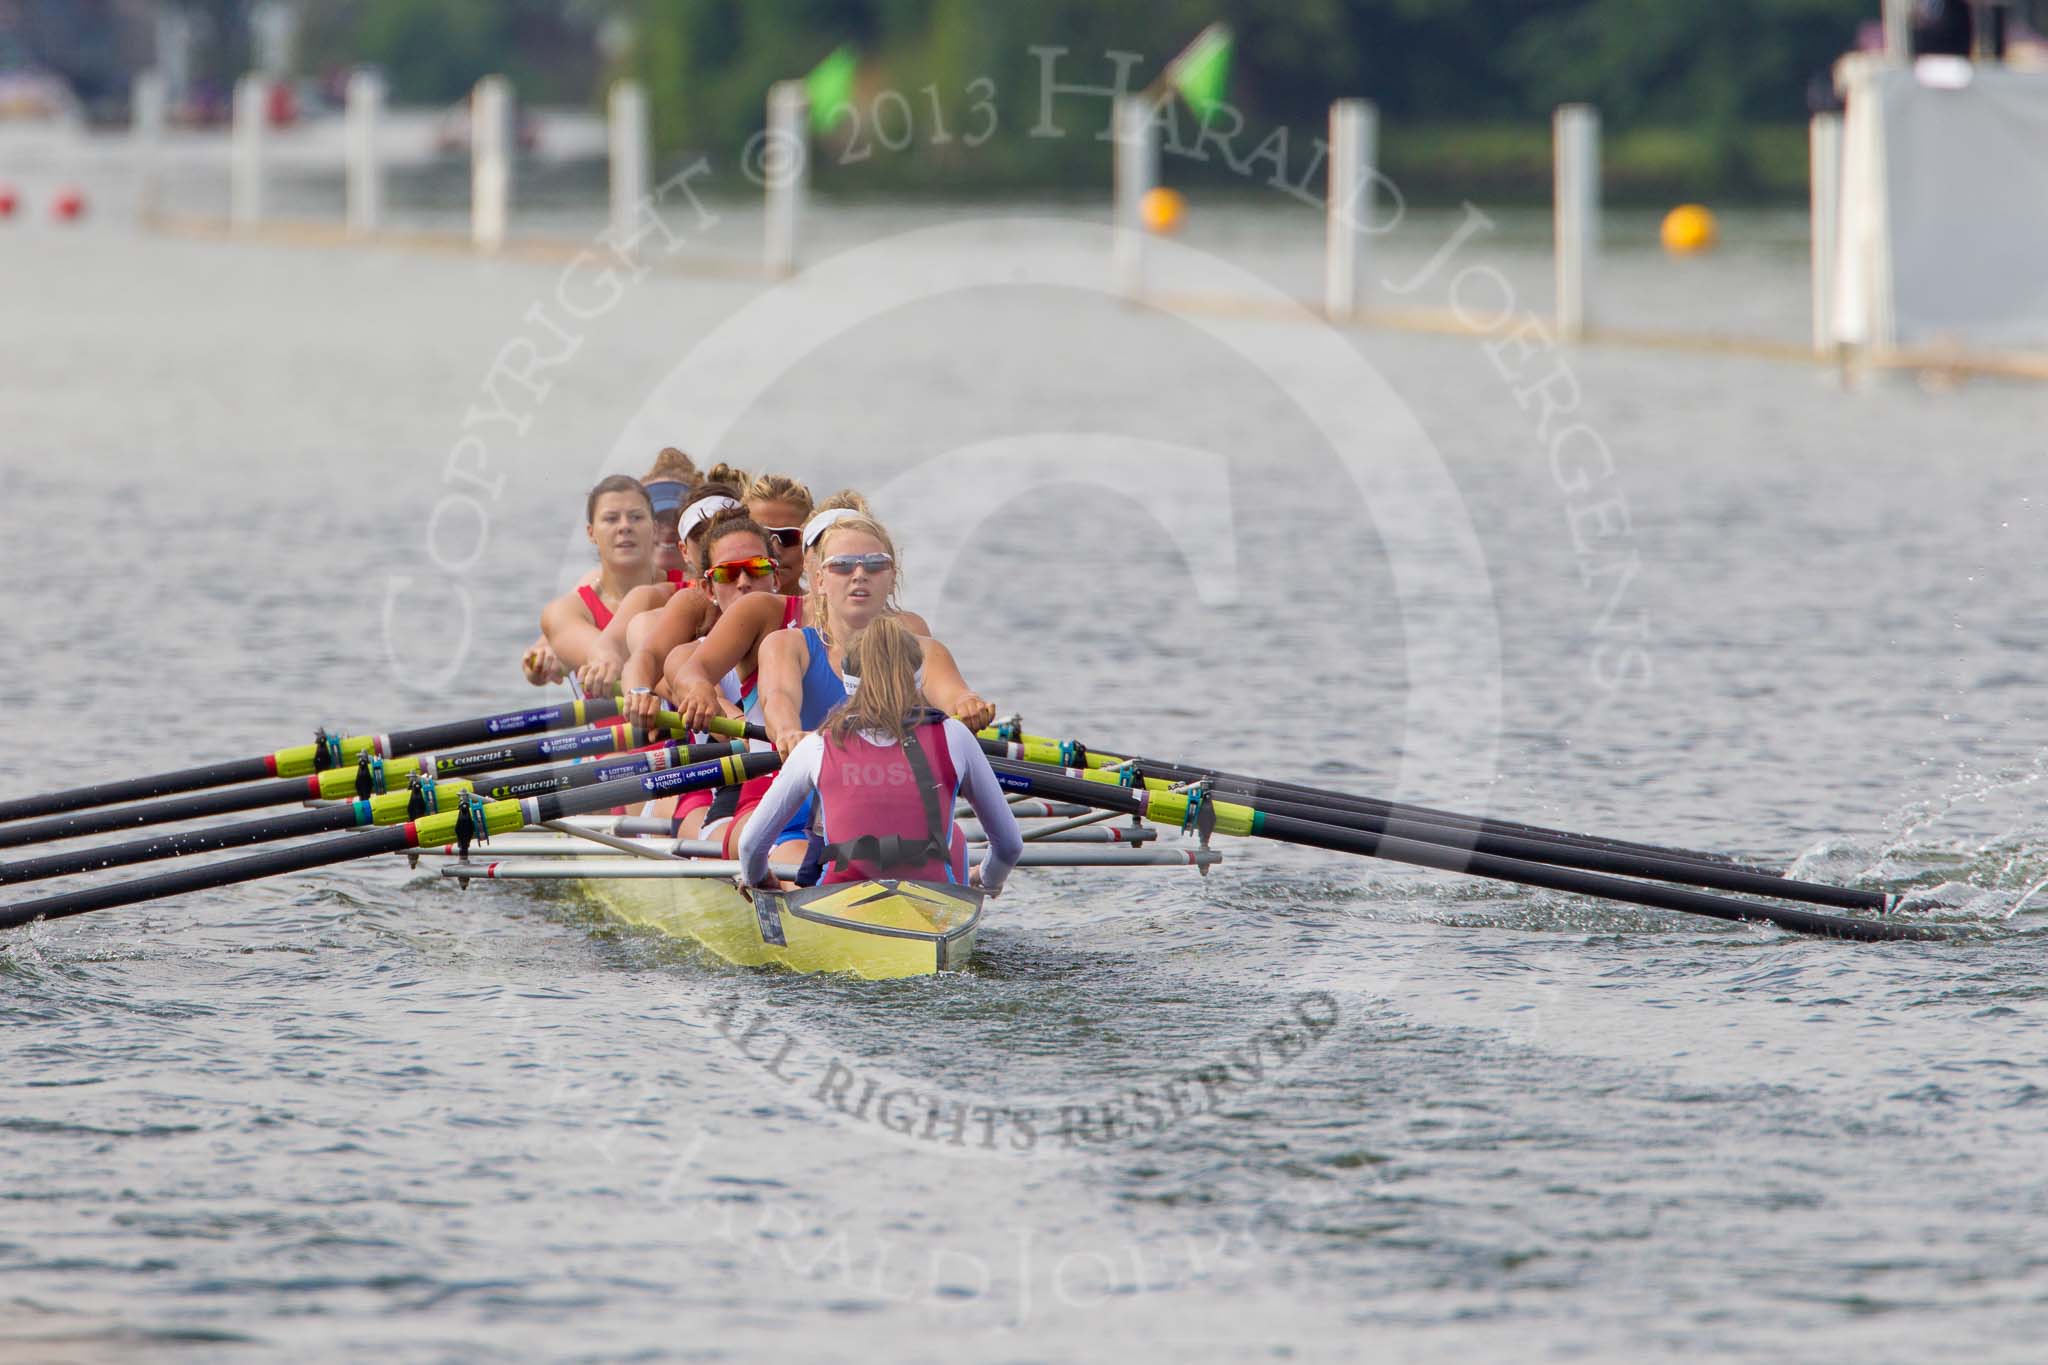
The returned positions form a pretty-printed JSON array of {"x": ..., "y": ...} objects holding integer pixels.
[{"x": 879, "y": 930}]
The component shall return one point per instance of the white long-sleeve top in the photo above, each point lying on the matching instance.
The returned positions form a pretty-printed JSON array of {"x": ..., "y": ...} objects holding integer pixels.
[{"x": 799, "y": 778}]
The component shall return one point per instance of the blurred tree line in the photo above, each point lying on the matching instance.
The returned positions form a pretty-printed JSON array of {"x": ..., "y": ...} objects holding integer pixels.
[{"x": 1716, "y": 71}]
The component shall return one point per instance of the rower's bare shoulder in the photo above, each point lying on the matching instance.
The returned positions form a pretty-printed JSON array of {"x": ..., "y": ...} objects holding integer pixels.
[
  {"x": 691, "y": 603},
  {"x": 915, "y": 624},
  {"x": 646, "y": 597},
  {"x": 785, "y": 647},
  {"x": 564, "y": 610}
]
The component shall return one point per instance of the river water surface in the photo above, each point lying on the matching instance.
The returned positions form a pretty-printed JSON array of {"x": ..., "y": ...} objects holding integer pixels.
[{"x": 361, "y": 1112}]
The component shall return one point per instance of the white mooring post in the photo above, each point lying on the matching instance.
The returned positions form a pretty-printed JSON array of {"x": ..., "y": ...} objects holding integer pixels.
[
  {"x": 627, "y": 110},
  {"x": 146, "y": 104},
  {"x": 1576, "y": 134},
  {"x": 490, "y": 162},
  {"x": 363, "y": 109},
  {"x": 1898, "y": 31},
  {"x": 1824, "y": 144},
  {"x": 245, "y": 151},
  {"x": 1136, "y": 171},
  {"x": 785, "y": 173},
  {"x": 1354, "y": 152}
]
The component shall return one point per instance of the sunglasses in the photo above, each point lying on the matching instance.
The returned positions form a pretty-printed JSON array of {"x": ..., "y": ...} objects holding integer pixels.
[
  {"x": 788, "y": 537},
  {"x": 844, "y": 565},
  {"x": 757, "y": 566}
]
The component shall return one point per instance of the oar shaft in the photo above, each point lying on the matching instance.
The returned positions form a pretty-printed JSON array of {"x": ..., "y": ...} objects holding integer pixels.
[
  {"x": 307, "y": 759},
  {"x": 1652, "y": 894},
  {"x": 1233, "y": 818},
  {"x": 178, "y": 844},
  {"x": 80, "y": 824},
  {"x": 332, "y": 784},
  {"x": 1623, "y": 862},
  {"x": 381, "y": 810},
  {"x": 1036, "y": 749},
  {"x": 137, "y": 788},
  {"x": 496, "y": 817}
]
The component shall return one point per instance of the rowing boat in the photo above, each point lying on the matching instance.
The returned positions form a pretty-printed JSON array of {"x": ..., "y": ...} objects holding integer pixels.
[{"x": 877, "y": 930}]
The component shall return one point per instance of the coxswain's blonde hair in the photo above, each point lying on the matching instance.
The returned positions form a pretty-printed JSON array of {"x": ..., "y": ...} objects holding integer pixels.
[
  {"x": 672, "y": 464},
  {"x": 885, "y": 657},
  {"x": 779, "y": 488},
  {"x": 814, "y": 567}
]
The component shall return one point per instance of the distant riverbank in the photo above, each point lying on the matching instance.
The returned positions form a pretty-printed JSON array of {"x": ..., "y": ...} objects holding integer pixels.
[{"x": 1430, "y": 162}]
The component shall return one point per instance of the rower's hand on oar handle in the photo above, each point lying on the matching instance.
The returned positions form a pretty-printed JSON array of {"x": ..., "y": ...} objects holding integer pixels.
[
  {"x": 641, "y": 706},
  {"x": 973, "y": 711},
  {"x": 786, "y": 740},
  {"x": 974, "y": 879},
  {"x": 541, "y": 665},
  {"x": 697, "y": 703},
  {"x": 598, "y": 676}
]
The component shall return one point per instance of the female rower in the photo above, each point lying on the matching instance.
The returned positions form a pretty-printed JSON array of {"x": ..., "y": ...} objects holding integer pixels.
[
  {"x": 666, "y": 483},
  {"x": 782, "y": 505},
  {"x": 886, "y": 772},
  {"x": 852, "y": 568},
  {"x": 620, "y": 519},
  {"x": 742, "y": 566},
  {"x": 654, "y": 624},
  {"x": 632, "y": 619}
]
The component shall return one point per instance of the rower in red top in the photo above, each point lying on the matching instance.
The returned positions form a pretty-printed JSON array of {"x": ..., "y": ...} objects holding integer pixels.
[
  {"x": 886, "y": 771},
  {"x": 666, "y": 483},
  {"x": 620, "y": 518}
]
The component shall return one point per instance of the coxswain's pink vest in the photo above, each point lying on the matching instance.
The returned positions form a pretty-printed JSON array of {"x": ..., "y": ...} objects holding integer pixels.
[{"x": 881, "y": 820}]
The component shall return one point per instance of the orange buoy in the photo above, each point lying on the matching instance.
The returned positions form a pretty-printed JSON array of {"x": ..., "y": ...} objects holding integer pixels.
[
  {"x": 69, "y": 205},
  {"x": 1689, "y": 229},
  {"x": 9, "y": 201},
  {"x": 1161, "y": 210}
]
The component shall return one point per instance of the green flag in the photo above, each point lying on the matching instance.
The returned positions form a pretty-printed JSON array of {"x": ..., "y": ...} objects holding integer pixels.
[
  {"x": 1203, "y": 71},
  {"x": 829, "y": 88}
]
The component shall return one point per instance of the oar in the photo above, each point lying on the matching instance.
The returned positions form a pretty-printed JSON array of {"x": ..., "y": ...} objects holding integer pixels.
[
  {"x": 1099, "y": 788},
  {"x": 1004, "y": 741},
  {"x": 369, "y": 777},
  {"x": 326, "y": 751},
  {"x": 473, "y": 820},
  {"x": 1719, "y": 876},
  {"x": 425, "y": 798},
  {"x": 1590, "y": 856}
]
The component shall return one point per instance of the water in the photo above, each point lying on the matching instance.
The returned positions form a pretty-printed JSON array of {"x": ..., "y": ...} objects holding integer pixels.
[{"x": 359, "y": 1111}]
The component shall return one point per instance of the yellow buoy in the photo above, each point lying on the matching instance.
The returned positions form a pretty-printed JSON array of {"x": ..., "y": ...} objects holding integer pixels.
[
  {"x": 1689, "y": 228},
  {"x": 1161, "y": 210}
]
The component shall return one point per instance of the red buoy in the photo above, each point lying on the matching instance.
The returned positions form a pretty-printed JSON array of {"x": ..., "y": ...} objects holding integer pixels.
[
  {"x": 69, "y": 205},
  {"x": 9, "y": 202}
]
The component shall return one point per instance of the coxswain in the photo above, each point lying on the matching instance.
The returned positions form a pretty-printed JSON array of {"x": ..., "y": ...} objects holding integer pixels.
[{"x": 886, "y": 771}]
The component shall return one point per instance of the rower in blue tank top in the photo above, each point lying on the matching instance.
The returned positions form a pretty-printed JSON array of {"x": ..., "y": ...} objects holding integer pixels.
[{"x": 852, "y": 573}]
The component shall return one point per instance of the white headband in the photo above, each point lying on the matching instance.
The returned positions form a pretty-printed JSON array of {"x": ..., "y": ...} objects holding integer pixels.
[
  {"x": 701, "y": 511},
  {"x": 817, "y": 526}
]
